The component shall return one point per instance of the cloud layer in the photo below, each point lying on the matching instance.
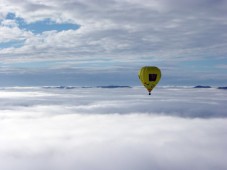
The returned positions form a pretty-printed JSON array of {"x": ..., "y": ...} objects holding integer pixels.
[
  {"x": 95, "y": 128},
  {"x": 183, "y": 102},
  {"x": 125, "y": 29}
]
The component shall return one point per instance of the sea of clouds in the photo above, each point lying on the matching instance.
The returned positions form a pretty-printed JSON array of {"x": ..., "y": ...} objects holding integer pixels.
[{"x": 113, "y": 128}]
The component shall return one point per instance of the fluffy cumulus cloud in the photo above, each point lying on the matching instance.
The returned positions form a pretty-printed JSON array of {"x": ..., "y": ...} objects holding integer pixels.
[
  {"x": 120, "y": 30},
  {"x": 122, "y": 128}
]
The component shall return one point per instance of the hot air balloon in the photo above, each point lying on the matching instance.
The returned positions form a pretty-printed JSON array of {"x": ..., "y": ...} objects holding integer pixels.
[{"x": 149, "y": 77}]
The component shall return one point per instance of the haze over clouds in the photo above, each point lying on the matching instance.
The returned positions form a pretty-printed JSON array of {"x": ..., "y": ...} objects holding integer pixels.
[
  {"x": 186, "y": 39},
  {"x": 96, "y": 128}
]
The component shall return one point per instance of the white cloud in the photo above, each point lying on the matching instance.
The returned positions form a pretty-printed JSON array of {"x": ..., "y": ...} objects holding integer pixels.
[
  {"x": 125, "y": 29},
  {"x": 10, "y": 31},
  {"x": 95, "y": 128}
]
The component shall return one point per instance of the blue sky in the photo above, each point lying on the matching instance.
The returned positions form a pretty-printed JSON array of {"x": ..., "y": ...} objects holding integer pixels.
[
  {"x": 41, "y": 26},
  {"x": 106, "y": 42}
]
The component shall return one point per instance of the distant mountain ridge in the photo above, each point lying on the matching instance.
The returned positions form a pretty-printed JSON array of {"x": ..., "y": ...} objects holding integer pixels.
[
  {"x": 113, "y": 86},
  {"x": 107, "y": 87},
  {"x": 74, "y": 87},
  {"x": 199, "y": 86},
  {"x": 223, "y": 88}
]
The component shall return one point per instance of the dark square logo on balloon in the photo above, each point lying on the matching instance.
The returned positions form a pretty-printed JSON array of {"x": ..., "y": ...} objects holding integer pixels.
[{"x": 152, "y": 77}]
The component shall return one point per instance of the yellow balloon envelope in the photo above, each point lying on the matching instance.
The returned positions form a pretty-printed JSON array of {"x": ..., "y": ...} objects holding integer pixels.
[{"x": 149, "y": 77}]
